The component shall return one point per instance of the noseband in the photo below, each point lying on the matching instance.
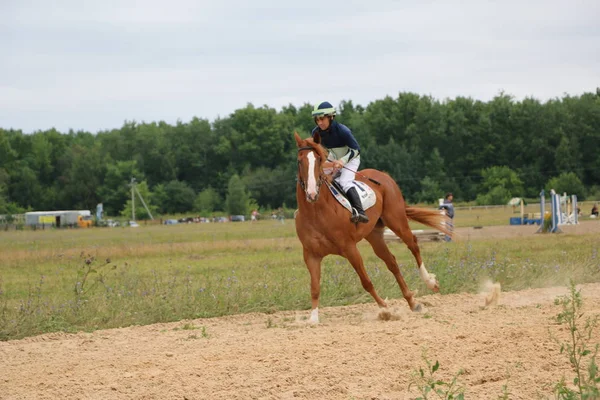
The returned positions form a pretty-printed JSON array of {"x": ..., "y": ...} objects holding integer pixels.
[{"x": 321, "y": 178}]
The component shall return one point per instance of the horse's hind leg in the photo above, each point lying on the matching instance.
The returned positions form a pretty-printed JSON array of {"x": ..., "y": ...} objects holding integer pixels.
[
  {"x": 397, "y": 221},
  {"x": 353, "y": 255},
  {"x": 382, "y": 251}
]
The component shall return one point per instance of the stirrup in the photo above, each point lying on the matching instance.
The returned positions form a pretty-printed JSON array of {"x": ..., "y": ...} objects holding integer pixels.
[{"x": 358, "y": 217}]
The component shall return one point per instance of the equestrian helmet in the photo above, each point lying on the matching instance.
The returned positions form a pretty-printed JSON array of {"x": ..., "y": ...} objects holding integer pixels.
[{"x": 323, "y": 109}]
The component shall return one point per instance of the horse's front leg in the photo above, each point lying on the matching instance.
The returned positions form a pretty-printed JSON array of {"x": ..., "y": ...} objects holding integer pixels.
[{"x": 313, "y": 263}]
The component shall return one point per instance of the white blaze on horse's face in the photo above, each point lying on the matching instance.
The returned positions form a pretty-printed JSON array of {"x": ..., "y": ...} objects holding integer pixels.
[{"x": 312, "y": 191}]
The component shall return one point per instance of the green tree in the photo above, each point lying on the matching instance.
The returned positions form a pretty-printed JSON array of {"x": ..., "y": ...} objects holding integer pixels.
[
  {"x": 567, "y": 155},
  {"x": 464, "y": 146},
  {"x": 567, "y": 182},
  {"x": 404, "y": 166},
  {"x": 24, "y": 188},
  {"x": 83, "y": 179},
  {"x": 497, "y": 195},
  {"x": 153, "y": 152},
  {"x": 7, "y": 154},
  {"x": 140, "y": 210},
  {"x": 270, "y": 186},
  {"x": 237, "y": 199},
  {"x": 500, "y": 184},
  {"x": 115, "y": 191},
  {"x": 389, "y": 118},
  {"x": 301, "y": 118},
  {"x": 253, "y": 137},
  {"x": 179, "y": 197},
  {"x": 193, "y": 147},
  {"x": 581, "y": 124},
  {"x": 430, "y": 191},
  {"x": 6, "y": 206},
  {"x": 159, "y": 198},
  {"x": 207, "y": 201},
  {"x": 3, "y": 191},
  {"x": 41, "y": 152},
  {"x": 400, "y": 135},
  {"x": 3, "y": 202}
]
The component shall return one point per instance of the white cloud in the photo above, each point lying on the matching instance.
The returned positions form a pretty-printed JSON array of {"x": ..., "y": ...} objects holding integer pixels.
[{"x": 91, "y": 65}]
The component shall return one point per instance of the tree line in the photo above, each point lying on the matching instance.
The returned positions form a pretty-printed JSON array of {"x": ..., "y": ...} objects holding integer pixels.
[{"x": 483, "y": 152}]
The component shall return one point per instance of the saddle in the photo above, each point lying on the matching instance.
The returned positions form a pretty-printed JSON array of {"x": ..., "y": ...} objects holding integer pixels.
[{"x": 366, "y": 194}]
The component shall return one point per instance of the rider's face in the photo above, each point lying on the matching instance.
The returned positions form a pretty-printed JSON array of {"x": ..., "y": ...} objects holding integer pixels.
[{"x": 323, "y": 122}]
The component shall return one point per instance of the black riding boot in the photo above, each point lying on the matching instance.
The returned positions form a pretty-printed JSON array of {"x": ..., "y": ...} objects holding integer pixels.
[{"x": 360, "y": 215}]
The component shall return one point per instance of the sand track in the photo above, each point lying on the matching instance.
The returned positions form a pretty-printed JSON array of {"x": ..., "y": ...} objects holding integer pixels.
[{"x": 351, "y": 354}]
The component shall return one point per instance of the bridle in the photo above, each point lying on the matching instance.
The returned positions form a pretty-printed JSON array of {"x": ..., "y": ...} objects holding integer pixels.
[{"x": 321, "y": 177}]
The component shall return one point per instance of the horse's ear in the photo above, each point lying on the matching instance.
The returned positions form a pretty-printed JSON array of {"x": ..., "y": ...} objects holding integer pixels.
[
  {"x": 298, "y": 139},
  {"x": 317, "y": 138}
]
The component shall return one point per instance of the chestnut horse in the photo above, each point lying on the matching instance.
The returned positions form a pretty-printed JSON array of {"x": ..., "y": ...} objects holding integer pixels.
[{"x": 323, "y": 225}]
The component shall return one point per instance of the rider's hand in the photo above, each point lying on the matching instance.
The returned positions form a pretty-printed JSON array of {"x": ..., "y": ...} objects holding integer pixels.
[{"x": 337, "y": 164}]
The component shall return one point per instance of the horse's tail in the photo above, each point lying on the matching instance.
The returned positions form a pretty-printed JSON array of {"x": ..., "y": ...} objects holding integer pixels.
[{"x": 432, "y": 218}]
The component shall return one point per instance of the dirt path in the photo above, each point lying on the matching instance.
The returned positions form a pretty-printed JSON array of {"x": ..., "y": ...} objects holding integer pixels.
[{"x": 350, "y": 355}]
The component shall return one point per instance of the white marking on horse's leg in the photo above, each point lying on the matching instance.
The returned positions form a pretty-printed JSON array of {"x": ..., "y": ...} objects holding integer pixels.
[
  {"x": 311, "y": 185},
  {"x": 314, "y": 316},
  {"x": 428, "y": 278}
]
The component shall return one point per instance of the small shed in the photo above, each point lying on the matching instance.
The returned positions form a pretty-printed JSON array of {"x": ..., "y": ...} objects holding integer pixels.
[{"x": 55, "y": 218}]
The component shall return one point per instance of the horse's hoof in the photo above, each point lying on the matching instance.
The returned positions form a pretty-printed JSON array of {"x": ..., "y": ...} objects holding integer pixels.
[
  {"x": 417, "y": 308},
  {"x": 433, "y": 285}
]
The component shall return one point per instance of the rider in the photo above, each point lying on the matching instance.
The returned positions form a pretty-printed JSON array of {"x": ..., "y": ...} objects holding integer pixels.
[{"x": 344, "y": 153}]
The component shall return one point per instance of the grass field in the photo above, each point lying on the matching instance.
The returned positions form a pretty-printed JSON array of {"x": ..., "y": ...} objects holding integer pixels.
[{"x": 87, "y": 279}]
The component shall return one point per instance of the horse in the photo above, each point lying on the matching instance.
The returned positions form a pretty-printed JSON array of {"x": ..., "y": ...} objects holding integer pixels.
[{"x": 324, "y": 227}]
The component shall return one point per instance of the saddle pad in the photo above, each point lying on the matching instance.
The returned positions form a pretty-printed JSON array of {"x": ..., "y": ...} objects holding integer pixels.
[{"x": 366, "y": 194}]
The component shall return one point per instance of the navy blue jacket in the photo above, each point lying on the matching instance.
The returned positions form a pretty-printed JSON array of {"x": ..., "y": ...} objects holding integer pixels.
[{"x": 340, "y": 142}]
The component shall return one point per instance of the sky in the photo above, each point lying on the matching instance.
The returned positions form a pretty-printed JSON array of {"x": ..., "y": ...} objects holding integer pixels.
[{"x": 92, "y": 65}]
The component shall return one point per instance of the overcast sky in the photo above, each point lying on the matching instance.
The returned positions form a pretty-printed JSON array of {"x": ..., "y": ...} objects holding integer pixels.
[{"x": 91, "y": 65}]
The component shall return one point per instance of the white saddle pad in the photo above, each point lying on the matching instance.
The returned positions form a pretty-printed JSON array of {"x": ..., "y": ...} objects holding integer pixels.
[{"x": 366, "y": 194}]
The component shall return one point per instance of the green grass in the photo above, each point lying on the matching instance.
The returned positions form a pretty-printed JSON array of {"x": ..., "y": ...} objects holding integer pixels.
[{"x": 87, "y": 279}]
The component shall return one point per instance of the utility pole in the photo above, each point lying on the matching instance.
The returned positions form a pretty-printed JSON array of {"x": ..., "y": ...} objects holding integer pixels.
[
  {"x": 133, "y": 199},
  {"x": 135, "y": 190},
  {"x": 144, "y": 204}
]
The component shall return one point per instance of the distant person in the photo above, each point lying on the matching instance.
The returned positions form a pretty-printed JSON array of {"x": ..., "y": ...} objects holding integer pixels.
[
  {"x": 448, "y": 202},
  {"x": 254, "y": 215},
  {"x": 448, "y": 208},
  {"x": 594, "y": 213}
]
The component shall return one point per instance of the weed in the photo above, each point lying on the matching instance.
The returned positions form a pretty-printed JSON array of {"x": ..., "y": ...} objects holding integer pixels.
[
  {"x": 188, "y": 327},
  {"x": 505, "y": 391},
  {"x": 578, "y": 348},
  {"x": 427, "y": 384},
  {"x": 204, "y": 333},
  {"x": 185, "y": 327}
]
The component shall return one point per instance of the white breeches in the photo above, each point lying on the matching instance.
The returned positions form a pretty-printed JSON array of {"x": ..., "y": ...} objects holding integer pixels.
[{"x": 347, "y": 176}]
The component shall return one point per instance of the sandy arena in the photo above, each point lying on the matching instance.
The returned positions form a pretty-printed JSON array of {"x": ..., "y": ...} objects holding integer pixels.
[{"x": 350, "y": 355}]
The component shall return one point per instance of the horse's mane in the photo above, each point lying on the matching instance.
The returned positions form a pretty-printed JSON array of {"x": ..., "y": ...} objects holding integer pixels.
[{"x": 310, "y": 142}]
